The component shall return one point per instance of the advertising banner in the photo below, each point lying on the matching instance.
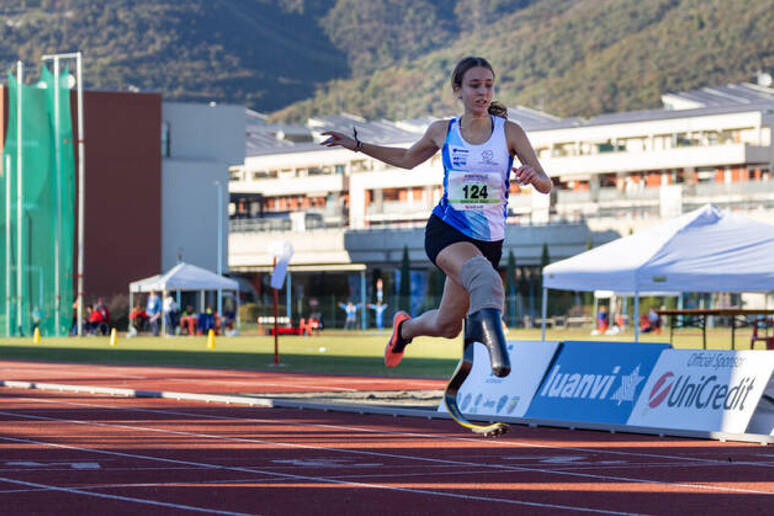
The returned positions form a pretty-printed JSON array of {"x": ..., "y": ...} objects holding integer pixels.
[
  {"x": 595, "y": 382},
  {"x": 485, "y": 394},
  {"x": 704, "y": 390}
]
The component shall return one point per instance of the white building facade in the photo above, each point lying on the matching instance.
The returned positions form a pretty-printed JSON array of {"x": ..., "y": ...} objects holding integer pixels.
[
  {"x": 199, "y": 144},
  {"x": 616, "y": 172}
]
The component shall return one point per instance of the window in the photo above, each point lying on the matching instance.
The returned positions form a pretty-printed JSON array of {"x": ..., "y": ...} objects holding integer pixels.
[{"x": 390, "y": 194}]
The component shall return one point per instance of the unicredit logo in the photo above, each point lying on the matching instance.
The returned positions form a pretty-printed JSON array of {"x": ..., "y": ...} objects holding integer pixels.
[
  {"x": 661, "y": 389},
  {"x": 706, "y": 392}
]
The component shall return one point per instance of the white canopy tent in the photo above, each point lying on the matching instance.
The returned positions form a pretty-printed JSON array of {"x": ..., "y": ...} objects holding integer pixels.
[
  {"x": 185, "y": 277},
  {"x": 706, "y": 250}
]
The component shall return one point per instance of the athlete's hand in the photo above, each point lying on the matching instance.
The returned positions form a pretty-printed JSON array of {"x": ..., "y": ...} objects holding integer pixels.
[
  {"x": 525, "y": 175},
  {"x": 338, "y": 139}
]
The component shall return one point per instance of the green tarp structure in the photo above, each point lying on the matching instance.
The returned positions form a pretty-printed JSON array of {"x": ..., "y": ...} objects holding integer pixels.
[{"x": 37, "y": 222}]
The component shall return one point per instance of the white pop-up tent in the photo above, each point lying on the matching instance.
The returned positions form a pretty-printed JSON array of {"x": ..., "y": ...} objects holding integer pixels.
[
  {"x": 185, "y": 277},
  {"x": 706, "y": 250}
]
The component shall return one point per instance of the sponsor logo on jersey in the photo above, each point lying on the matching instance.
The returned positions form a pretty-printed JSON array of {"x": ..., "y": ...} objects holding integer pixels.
[
  {"x": 487, "y": 157},
  {"x": 459, "y": 156}
]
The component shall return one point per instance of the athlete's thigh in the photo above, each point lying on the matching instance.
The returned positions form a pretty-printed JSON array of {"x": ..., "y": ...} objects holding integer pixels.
[{"x": 451, "y": 259}]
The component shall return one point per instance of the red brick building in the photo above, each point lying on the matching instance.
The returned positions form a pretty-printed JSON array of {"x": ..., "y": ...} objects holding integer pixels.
[{"x": 122, "y": 188}]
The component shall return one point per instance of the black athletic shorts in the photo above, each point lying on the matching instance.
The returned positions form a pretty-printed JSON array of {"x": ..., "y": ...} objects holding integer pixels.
[{"x": 439, "y": 235}]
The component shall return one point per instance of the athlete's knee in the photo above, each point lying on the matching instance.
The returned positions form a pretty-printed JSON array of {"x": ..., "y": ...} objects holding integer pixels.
[{"x": 483, "y": 284}]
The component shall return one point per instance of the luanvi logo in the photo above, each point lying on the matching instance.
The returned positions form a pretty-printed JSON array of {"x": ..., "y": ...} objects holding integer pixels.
[
  {"x": 592, "y": 386},
  {"x": 706, "y": 393}
]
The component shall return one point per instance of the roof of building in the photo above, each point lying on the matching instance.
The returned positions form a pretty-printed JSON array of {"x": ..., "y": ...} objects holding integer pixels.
[
  {"x": 264, "y": 138},
  {"x": 730, "y": 94},
  {"x": 732, "y": 98}
]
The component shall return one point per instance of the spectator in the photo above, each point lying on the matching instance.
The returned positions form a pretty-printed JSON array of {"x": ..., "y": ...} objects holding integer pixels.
[
  {"x": 153, "y": 311},
  {"x": 651, "y": 322},
  {"x": 103, "y": 310},
  {"x": 227, "y": 319},
  {"x": 188, "y": 320},
  {"x": 315, "y": 314},
  {"x": 170, "y": 313},
  {"x": 95, "y": 321},
  {"x": 37, "y": 317},
  {"x": 603, "y": 320},
  {"x": 378, "y": 309},
  {"x": 74, "y": 328},
  {"x": 351, "y": 310},
  {"x": 206, "y": 321},
  {"x": 137, "y": 319}
]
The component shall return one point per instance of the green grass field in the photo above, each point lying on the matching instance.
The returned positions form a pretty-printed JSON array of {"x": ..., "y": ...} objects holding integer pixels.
[{"x": 334, "y": 352}]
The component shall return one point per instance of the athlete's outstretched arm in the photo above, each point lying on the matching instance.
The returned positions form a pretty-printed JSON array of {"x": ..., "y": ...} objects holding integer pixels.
[
  {"x": 400, "y": 157},
  {"x": 530, "y": 172}
]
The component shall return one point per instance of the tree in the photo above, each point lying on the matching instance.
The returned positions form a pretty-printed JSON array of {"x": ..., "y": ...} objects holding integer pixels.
[
  {"x": 588, "y": 297},
  {"x": 404, "y": 297},
  {"x": 511, "y": 290},
  {"x": 544, "y": 258},
  {"x": 544, "y": 261}
]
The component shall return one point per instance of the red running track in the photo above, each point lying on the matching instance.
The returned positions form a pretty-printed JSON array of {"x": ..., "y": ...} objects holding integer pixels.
[
  {"x": 202, "y": 381},
  {"x": 85, "y": 454}
]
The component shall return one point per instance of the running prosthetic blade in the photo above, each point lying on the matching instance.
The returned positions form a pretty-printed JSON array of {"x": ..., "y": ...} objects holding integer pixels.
[
  {"x": 450, "y": 397},
  {"x": 485, "y": 326}
]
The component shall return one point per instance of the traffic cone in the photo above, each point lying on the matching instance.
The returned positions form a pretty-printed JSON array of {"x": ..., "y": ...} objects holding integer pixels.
[
  {"x": 211, "y": 339},
  {"x": 36, "y": 336},
  {"x": 113, "y": 337}
]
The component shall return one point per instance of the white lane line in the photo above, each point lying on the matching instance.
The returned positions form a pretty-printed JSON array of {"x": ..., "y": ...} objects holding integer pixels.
[
  {"x": 498, "y": 444},
  {"x": 299, "y": 386},
  {"x": 70, "y": 375},
  {"x": 209, "y": 483},
  {"x": 290, "y": 476},
  {"x": 144, "y": 501},
  {"x": 498, "y": 467}
]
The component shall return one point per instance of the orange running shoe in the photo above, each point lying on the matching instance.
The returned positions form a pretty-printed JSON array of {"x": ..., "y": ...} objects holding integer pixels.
[{"x": 393, "y": 353}]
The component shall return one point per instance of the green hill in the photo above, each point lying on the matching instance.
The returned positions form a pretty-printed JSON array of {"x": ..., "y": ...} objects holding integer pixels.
[
  {"x": 263, "y": 53},
  {"x": 572, "y": 57},
  {"x": 392, "y": 58}
]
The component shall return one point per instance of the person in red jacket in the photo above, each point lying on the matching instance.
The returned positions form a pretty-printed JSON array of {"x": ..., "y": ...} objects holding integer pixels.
[{"x": 94, "y": 319}]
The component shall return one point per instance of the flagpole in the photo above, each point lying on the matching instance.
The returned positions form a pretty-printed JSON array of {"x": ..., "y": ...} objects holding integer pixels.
[
  {"x": 81, "y": 177},
  {"x": 19, "y": 192},
  {"x": 58, "y": 216}
]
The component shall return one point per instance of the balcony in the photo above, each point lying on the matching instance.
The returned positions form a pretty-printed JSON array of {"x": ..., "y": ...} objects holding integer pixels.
[
  {"x": 271, "y": 187},
  {"x": 748, "y": 189},
  {"x": 678, "y": 157},
  {"x": 608, "y": 194}
]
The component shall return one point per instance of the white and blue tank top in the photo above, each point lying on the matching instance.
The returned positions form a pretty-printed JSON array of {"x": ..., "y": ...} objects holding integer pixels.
[{"x": 476, "y": 183}]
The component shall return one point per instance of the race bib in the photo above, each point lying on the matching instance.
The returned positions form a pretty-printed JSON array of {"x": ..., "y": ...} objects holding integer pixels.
[{"x": 474, "y": 191}]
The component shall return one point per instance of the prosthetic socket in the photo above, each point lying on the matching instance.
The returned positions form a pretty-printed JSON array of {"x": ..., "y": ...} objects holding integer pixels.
[{"x": 484, "y": 320}]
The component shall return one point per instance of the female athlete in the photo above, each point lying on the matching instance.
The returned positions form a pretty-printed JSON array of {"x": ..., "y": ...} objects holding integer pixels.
[{"x": 464, "y": 235}]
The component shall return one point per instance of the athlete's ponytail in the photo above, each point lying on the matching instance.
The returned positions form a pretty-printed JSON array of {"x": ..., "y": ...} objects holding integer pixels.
[
  {"x": 495, "y": 108},
  {"x": 498, "y": 109}
]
